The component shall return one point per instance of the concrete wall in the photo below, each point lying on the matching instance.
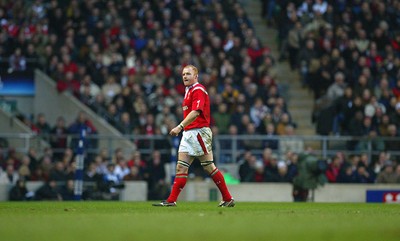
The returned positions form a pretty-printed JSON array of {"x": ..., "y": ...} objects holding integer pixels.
[
  {"x": 23, "y": 136},
  {"x": 134, "y": 191},
  {"x": 349, "y": 192},
  {"x": 282, "y": 192},
  {"x": 24, "y": 103},
  {"x": 54, "y": 104},
  {"x": 251, "y": 192}
]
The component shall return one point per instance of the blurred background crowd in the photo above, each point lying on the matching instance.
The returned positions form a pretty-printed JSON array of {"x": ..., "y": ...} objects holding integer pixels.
[{"x": 123, "y": 59}]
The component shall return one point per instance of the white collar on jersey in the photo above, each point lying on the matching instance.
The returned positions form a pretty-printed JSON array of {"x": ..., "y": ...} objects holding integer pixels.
[{"x": 190, "y": 87}]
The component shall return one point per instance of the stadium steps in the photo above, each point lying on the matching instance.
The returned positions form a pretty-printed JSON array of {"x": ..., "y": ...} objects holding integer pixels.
[
  {"x": 300, "y": 100},
  {"x": 54, "y": 104},
  {"x": 17, "y": 134}
]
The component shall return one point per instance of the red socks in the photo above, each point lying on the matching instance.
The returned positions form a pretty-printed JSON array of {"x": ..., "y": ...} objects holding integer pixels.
[
  {"x": 179, "y": 184},
  {"x": 219, "y": 180}
]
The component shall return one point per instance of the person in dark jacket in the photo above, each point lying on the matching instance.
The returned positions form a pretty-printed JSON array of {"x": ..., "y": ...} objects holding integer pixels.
[
  {"x": 19, "y": 192},
  {"x": 48, "y": 192}
]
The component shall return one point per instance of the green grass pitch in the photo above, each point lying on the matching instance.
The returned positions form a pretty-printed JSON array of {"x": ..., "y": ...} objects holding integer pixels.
[{"x": 202, "y": 221}]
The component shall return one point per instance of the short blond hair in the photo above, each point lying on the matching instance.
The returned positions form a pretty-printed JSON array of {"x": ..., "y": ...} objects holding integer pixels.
[{"x": 195, "y": 70}]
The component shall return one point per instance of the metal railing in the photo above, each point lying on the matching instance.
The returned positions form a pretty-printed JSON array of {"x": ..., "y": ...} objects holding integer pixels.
[{"x": 227, "y": 148}]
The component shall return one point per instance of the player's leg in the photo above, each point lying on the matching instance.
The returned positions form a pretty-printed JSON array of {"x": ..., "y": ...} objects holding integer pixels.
[
  {"x": 181, "y": 174},
  {"x": 208, "y": 165},
  {"x": 182, "y": 169}
]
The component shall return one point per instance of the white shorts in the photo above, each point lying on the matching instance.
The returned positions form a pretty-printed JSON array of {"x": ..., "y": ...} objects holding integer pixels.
[{"x": 196, "y": 142}]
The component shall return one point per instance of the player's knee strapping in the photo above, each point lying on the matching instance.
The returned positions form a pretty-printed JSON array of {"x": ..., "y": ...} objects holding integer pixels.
[
  {"x": 215, "y": 171},
  {"x": 206, "y": 163},
  {"x": 183, "y": 163}
]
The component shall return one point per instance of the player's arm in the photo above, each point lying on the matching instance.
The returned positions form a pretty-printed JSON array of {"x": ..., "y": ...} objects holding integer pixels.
[
  {"x": 190, "y": 118},
  {"x": 187, "y": 121},
  {"x": 199, "y": 97}
]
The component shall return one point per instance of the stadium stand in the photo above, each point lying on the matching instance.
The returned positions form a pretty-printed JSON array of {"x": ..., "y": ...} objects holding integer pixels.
[{"x": 123, "y": 60}]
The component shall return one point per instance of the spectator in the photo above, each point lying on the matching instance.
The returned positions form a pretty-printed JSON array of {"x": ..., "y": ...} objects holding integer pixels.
[
  {"x": 121, "y": 168},
  {"x": 133, "y": 175},
  {"x": 271, "y": 172},
  {"x": 67, "y": 157},
  {"x": 362, "y": 175},
  {"x": 38, "y": 175},
  {"x": 334, "y": 168},
  {"x": 58, "y": 137},
  {"x": 137, "y": 160},
  {"x": 342, "y": 107},
  {"x": 271, "y": 135},
  {"x": 336, "y": 90},
  {"x": 392, "y": 144},
  {"x": 266, "y": 156},
  {"x": 17, "y": 61},
  {"x": 70, "y": 170},
  {"x": 9, "y": 176},
  {"x": 397, "y": 171},
  {"x": 383, "y": 124},
  {"x": 87, "y": 83},
  {"x": 67, "y": 191},
  {"x": 251, "y": 144},
  {"x": 112, "y": 116},
  {"x": 307, "y": 60},
  {"x": 165, "y": 116},
  {"x": 320, "y": 6},
  {"x": 19, "y": 192},
  {"x": 24, "y": 171},
  {"x": 247, "y": 167},
  {"x": 395, "y": 116},
  {"x": 125, "y": 125},
  {"x": 396, "y": 90},
  {"x": 93, "y": 181},
  {"x": 292, "y": 162},
  {"x": 43, "y": 125},
  {"x": 346, "y": 175},
  {"x": 290, "y": 142},
  {"x": 46, "y": 165},
  {"x": 321, "y": 77},
  {"x": 110, "y": 89},
  {"x": 356, "y": 128},
  {"x": 258, "y": 111},
  {"x": 82, "y": 124},
  {"x": 68, "y": 83},
  {"x": 112, "y": 182},
  {"x": 48, "y": 192},
  {"x": 58, "y": 173},
  {"x": 69, "y": 65},
  {"x": 237, "y": 115},
  {"x": 221, "y": 118},
  {"x": 295, "y": 37},
  {"x": 282, "y": 172},
  {"x": 32, "y": 154},
  {"x": 259, "y": 171},
  {"x": 230, "y": 96},
  {"x": 387, "y": 175},
  {"x": 283, "y": 123},
  {"x": 93, "y": 174},
  {"x": 361, "y": 41},
  {"x": 158, "y": 188}
]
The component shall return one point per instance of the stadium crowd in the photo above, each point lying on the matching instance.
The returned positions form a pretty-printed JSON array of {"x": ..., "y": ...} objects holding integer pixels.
[
  {"x": 347, "y": 54},
  {"x": 123, "y": 60},
  {"x": 350, "y": 61}
]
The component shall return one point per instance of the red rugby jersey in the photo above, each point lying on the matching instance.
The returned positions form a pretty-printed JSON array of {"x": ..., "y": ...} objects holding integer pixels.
[{"x": 196, "y": 98}]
